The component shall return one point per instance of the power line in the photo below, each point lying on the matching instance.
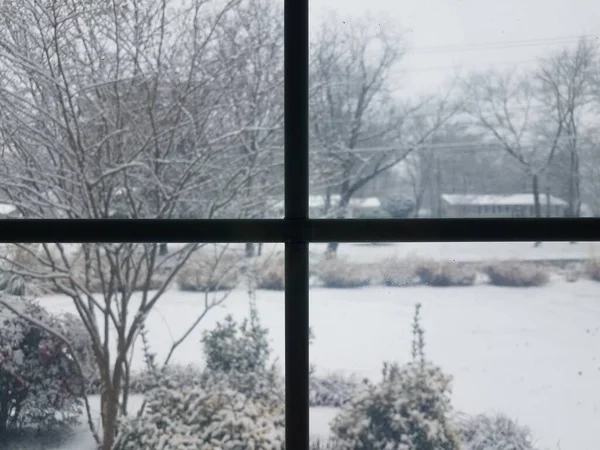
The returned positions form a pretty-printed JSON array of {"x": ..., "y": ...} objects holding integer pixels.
[
  {"x": 484, "y": 146},
  {"x": 499, "y": 45}
]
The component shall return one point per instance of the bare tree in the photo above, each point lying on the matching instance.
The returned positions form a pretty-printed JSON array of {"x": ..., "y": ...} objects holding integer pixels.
[
  {"x": 566, "y": 83},
  {"x": 508, "y": 108},
  {"x": 359, "y": 130},
  {"x": 117, "y": 109},
  {"x": 255, "y": 103}
]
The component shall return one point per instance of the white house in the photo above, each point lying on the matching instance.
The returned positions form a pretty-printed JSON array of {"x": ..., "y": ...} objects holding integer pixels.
[
  {"x": 358, "y": 206},
  {"x": 514, "y": 205}
]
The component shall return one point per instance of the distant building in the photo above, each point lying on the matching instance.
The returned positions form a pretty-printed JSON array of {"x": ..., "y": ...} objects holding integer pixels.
[
  {"x": 358, "y": 207},
  {"x": 515, "y": 205}
]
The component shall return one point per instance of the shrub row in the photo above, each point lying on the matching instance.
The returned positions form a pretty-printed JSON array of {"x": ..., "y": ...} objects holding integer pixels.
[
  {"x": 395, "y": 272},
  {"x": 209, "y": 272}
]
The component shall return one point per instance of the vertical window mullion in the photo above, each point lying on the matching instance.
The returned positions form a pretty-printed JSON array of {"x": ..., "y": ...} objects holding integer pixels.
[{"x": 296, "y": 215}]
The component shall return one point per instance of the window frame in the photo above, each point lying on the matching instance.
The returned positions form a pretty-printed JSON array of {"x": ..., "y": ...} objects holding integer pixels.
[{"x": 296, "y": 229}]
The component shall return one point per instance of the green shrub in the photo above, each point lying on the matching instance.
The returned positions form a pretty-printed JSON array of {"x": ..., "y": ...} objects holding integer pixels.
[
  {"x": 198, "y": 418},
  {"x": 408, "y": 409},
  {"x": 516, "y": 274},
  {"x": 399, "y": 272},
  {"x": 240, "y": 353},
  {"x": 445, "y": 273},
  {"x": 338, "y": 272}
]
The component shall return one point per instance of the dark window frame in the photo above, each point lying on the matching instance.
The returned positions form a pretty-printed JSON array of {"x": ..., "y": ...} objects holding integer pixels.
[{"x": 296, "y": 230}]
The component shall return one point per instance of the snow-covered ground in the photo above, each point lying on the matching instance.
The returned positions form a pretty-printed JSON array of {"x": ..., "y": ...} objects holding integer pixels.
[
  {"x": 532, "y": 353},
  {"x": 459, "y": 251}
]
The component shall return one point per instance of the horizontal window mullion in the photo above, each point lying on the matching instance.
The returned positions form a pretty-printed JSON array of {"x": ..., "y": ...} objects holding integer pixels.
[
  {"x": 454, "y": 230},
  {"x": 300, "y": 230}
]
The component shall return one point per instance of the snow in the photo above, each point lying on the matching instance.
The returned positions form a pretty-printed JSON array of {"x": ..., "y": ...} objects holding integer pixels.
[
  {"x": 455, "y": 251},
  {"x": 531, "y": 353},
  {"x": 6, "y": 209},
  {"x": 513, "y": 199}
]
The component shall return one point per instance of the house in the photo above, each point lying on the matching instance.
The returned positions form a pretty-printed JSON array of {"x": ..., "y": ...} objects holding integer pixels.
[
  {"x": 358, "y": 207},
  {"x": 515, "y": 205}
]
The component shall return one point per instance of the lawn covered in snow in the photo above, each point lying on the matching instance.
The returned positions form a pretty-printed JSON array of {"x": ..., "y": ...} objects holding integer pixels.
[
  {"x": 532, "y": 353},
  {"x": 457, "y": 251}
]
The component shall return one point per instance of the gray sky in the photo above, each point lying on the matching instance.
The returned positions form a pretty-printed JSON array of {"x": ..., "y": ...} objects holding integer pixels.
[{"x": 546, "y": 24}]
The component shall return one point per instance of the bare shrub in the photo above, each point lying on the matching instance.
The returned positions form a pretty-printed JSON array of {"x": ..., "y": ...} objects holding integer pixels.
[
  {"x": 207, "y": 271},
  {"x": 20, "y": 264},
  {"x": 269, "y": 274},
  {"x": 592, "y": 268},
  {"x": 516, "y": 274},
  {"x": 399, "y": 272},
  {"x": 340, "y": 273},
  {"x": 445, "y": 273},
  {"x": 96, "y": 277}
]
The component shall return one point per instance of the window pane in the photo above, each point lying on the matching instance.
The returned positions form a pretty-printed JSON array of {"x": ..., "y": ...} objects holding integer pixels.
[
  {"x": 513, "y": 325},
  {"x": 159, "y": 109},
  {"x": 481, "y": 106},
  {"x": 192, "y": 334}
]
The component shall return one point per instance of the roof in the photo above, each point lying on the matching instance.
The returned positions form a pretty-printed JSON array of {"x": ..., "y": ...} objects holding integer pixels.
[
  {"x": 6, "y": 208},
  {"x": 318, "y": 201},
  {"x": 506, "y": 200}
]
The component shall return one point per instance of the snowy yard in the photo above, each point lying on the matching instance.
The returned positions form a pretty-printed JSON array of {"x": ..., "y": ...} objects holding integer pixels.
[
  {"x": 459, "y": 251},
  {"x": 532, "y": 353}
]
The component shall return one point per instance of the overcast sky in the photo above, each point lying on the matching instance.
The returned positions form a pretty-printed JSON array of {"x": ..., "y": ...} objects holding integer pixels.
[{"x": 528, "y": 29}]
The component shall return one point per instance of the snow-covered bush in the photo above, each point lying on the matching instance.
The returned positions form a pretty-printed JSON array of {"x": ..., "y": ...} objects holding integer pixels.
[
  {"x": 445, "y": 273},
  {"x": 40, "y": 384},
  {"x": 409, "y": 409},
  {"x": 17, "y": 262},
  {"x": 206, "y": 272},
  {"x": 592, "y": 268},
  {"x": 338, "y": 272},
  {"x": 325, "y": 444},
  {"x": 236, "y": 403},
  {"x": 333, "y": 390},
  {"x": 270, "y": 274},
  {"x": 516, "y": 274},
  {"x": 240, "y": 353},
  {"x": 178, "y": 377},
  {"x": 493, "y": 432},
  {"x": 203, "y": 419},
  {"x": 399, "y": 272}
]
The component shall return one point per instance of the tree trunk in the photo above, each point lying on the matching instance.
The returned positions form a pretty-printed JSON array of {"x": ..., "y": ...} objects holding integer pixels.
[
  {"x": 536, "y": 196},
  {"x": 163, "y": 249},
  {"x": 576, "y": 185},
  {"x": 536, "y": 200},
  {"x": 260, "y": 249},
  {"x": 438, "y": 183},
  {"x": 3, "y": 415},
  {"x": 250, "y": 250},
  {"x": 343, "y": 207},
  {"x": 109, "y": 407},
  {"x": 327, "y": 205}
]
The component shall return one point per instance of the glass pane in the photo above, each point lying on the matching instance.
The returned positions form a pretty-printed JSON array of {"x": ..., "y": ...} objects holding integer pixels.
[
  {"x": 190, "y": 336},
  {"x": 480, "y": 111},
  {"x": 489, "y": 339},
  {"x": 155, "y": 109}
]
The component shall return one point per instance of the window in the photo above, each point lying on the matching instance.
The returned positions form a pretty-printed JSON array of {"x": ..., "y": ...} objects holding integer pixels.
[{"x": 145, "y": 221}]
